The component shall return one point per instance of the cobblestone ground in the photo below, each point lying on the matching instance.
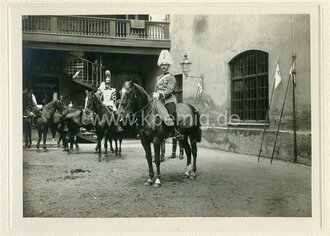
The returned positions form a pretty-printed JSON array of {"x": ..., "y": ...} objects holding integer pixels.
[{"x": 78, "y": 185}]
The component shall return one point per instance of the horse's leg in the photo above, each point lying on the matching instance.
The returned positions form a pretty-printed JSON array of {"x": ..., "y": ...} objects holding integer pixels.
[
  {"x": 71, "y": 141},
  {"x": 162, "y": 150},
  {"x": 157, "y": 143},
  {"x": 76, "y": 142},
  {"x": 188, "y": 153},
  {"x": 147, "y": 149},
  {"x": 116, "y": 146},
  {"x": 39, "y": 137},
  {"x": 111, "y": 147},
  {"x": 120, "y": 140},
  {"x": 193, "y": 143},
  {"x": 44, "y": 134},
  {"x": 106, "y": 144},
  {"x": 181, "y": 151},
  {"x": 29, "y": 134},
  {"x": 100, "y": 135},
  {"x": 53, "y": 130}
]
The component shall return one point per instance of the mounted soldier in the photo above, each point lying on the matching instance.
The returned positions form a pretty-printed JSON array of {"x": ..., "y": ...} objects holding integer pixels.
[
  {"x": 108, "y": 94},
  {"x": 165, "y": 86},
  {"x": 31, "y": 108}
]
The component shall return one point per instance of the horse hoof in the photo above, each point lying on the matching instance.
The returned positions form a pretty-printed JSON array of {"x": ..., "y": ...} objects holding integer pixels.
[
  {"x": 193, "y": 175},
  {"x": 119, "y": 155},
  {"x": 148, "y": 183},
  {"x": 156, "y": 185},
  {"x": 181, "y": 157},
  {"x": 45, "y": 150},
  {"x": 38, "y": 150}
]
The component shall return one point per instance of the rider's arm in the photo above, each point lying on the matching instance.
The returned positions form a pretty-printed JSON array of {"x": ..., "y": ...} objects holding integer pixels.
[{"x": 114, "y": 95}]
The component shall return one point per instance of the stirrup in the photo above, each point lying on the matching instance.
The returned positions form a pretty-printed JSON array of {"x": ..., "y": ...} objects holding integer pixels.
[
  {"x": 119, "y": 129},
  {"x": 178, "y": 136}
]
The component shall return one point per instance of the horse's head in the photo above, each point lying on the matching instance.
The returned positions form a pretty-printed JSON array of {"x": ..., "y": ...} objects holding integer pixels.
[{"x": 128, "y": 102}]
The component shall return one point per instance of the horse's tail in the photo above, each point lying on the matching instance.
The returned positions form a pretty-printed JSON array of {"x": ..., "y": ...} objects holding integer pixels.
[{"x": 197, "y": 124}]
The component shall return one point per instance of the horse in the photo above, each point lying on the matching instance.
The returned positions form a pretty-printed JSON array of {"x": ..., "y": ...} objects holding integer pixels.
[
  {"x": 43, "y": 118},
  {"x": 74, "y": 121},
  {"x": 136, "y": 101},
  {"x": 105, "y": 121},
  {"x": 117, "y": 137}
]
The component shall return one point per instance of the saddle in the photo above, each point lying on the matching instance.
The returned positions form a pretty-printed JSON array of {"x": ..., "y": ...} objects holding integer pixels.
[
  {"x": 86, "y": 119},
  {"x": 185, "y": 115}
]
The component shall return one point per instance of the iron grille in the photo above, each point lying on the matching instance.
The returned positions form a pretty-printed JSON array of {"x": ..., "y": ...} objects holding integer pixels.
[{"x": 249, "y": 85}]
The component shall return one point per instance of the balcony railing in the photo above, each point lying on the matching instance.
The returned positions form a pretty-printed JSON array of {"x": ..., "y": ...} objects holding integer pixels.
[{"x": 96, "y": 27}]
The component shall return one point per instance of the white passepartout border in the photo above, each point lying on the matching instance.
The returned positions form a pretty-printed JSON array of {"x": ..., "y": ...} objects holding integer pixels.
[{"x": 12, "y": 221}]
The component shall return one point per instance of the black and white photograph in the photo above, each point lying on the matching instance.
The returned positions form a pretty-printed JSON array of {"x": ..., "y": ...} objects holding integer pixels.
[{"x": 167, "y": 115}]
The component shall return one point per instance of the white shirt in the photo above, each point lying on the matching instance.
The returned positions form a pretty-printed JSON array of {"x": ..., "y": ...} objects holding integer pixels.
[{"x": 109, "y": 97}]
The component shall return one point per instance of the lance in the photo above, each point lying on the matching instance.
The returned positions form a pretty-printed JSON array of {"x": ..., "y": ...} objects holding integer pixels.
[
  {"x": 293, "y": 72},
  {"x": 282, "y": 109},
  {"x": 266, "y": 120}
]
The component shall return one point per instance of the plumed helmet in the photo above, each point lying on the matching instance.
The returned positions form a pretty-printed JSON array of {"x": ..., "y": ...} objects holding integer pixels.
[
  {"x": 164, "y": 58},
  {"x": 107, "y": 80},
  {"x": 107, "y": 73}
]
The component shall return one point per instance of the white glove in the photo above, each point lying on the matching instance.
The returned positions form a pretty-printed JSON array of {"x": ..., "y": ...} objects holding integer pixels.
[{"x": 155, "y": 96}]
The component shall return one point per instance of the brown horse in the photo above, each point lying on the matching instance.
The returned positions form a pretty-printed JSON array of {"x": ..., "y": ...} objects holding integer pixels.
[
  {"x": 135, "y": 101},
  {"x": 105, "y": 122},
  {"x": 43, "y": 118}
]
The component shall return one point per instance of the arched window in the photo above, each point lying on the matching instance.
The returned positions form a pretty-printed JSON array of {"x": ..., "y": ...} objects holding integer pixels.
[{"x": 249, "y": 85}]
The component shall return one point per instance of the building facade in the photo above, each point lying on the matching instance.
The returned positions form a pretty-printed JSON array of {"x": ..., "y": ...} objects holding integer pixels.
[
  {"x": 238, "y": 56},
  {"x": 65, "y": 55}
]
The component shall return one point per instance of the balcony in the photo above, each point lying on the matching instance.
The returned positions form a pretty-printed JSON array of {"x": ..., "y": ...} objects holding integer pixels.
[{"x": 95, "y": 33}]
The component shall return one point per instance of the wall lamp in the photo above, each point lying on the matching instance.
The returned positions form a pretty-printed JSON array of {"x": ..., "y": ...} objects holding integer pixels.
[{"x": 185, "y": 68}]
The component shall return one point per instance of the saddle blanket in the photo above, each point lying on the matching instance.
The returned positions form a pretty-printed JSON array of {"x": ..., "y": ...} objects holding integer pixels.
[
  {"x": 185, "y": 115},
  {"x": 86, "y": 119}
]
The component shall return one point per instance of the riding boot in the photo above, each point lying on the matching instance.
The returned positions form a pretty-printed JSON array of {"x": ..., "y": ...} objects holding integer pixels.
[{"x": 177, "y": 135}]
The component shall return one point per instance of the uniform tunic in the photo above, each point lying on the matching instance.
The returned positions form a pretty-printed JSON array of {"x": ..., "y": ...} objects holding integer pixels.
[
  {"x": 165, "y": 86},
  {"x": 109, "y": 98}
]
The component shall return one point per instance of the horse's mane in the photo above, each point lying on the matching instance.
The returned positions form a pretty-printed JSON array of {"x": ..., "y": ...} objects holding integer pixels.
[
  {"x": 141, "y": 90},
  {"x": 103, "y": 106}
]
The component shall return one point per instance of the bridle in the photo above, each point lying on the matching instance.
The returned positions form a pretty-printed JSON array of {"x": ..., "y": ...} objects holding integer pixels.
[{"x": 152, "y": 101}]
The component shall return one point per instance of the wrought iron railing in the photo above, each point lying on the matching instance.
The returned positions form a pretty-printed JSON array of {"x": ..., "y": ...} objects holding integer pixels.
[
  {"x": 83, "y": 70},
  {"x": 96, "y": 27}
]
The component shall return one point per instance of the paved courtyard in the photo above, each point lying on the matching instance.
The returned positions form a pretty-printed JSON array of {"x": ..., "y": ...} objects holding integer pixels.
[{"x": 78, "y": 185}]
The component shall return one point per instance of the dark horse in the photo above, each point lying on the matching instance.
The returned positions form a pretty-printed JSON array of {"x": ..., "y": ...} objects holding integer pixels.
[
  {"x": 105, "y": 121},
  {"x": 135, "y": 101},
  {"x": 43, "y": 119}
]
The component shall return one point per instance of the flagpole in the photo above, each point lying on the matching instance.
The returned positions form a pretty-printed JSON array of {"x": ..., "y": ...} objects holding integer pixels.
[
  {"x": 294, "y": 113},
  {"x": 266, "y": 119},
  {"x": 282, "y": 109}
]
